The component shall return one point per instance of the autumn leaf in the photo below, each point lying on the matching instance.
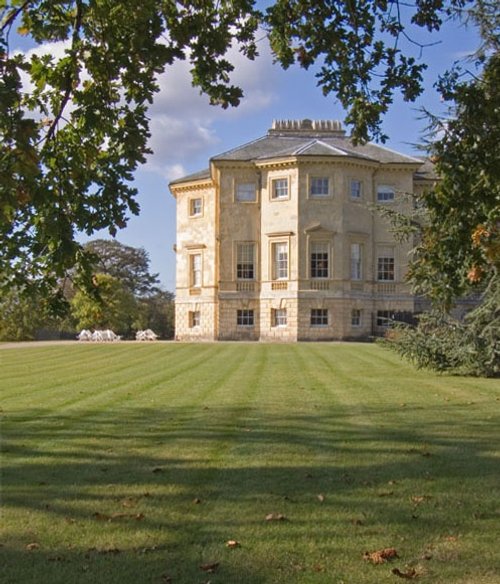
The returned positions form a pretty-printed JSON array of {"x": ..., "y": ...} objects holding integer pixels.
[
  {"x": 33, "y": 546},
  {"x": 410, "y": 574},
  {"x": 210, "y": 568},
  {"x": 321, "y": 498},
  {"x": 275, "y": 517},
  {"x": 385, "y": 494},
  {"x": 381, "y": 556},
  {"x": 417, "y": 499},
  {"x": 232, "y": 543}
]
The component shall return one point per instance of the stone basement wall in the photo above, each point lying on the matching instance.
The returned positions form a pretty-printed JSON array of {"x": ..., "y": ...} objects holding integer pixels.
[{"x": 204, "y": 332}]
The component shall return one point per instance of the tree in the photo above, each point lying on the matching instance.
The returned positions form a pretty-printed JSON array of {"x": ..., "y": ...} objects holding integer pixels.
[
  {"x": 459, "y": 238},
  {"x": 73, "y": 135},
  {"x": 157, "y": 312},
  {"x": 128, "y": 264},
  {"x": 126, "y": 296},
  {"x": 112, "y": 306}
]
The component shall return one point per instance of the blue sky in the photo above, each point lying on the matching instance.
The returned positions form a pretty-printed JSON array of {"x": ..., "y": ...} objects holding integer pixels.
[{"x": 187, "y": 131}]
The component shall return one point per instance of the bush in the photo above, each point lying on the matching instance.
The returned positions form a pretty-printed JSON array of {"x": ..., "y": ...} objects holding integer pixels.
[{"x": 442, "y": 343}]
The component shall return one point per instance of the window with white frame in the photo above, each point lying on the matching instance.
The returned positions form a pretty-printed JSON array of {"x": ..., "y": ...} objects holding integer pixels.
[
  {"x": 319, "y": 259},
  {"x": 194, "y": 318},
  {"x": 278, "y": 317},
  {"x": 355, "y": 317},
  {"x": 279, "y": 188},
  {"x": 385, "y": 194},
  {"x": 356, "y": 261},
  {"x": 280, "y": 261},
  {"x": 245, "y": 317},
  {"x": 384, "y": 318},
  {"x": 319, "y": 317},
  {"x": 195, "y": 270},
  {"x": 246, "y": 192},
  {"x": 385, "y": 264},
  {"x": 319, "y": 186},
  {"x": 245, "y": 261},
  {"x": 356, "y": 189},
  {"x": 195, "y": 207}
]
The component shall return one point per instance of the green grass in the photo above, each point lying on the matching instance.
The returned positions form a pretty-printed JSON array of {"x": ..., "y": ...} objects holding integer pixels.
[{"x": 402, "y": 459}]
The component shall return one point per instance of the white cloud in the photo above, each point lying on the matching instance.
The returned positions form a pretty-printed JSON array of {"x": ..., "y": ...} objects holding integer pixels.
[{"x": 182, "y": 120}]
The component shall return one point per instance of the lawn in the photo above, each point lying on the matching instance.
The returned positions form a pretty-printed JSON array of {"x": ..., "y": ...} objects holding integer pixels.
[{"x": 137, "y": 463}]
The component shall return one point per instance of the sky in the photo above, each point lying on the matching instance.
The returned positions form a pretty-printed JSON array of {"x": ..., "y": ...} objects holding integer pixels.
[{"x": 187, "y": 131}]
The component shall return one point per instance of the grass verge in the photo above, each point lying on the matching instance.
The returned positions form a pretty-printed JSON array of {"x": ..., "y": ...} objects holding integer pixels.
[{"x": 138, "y": 463}]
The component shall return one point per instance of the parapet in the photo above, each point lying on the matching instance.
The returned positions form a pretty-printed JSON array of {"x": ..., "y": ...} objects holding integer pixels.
[{"x": 306, "y": 127}]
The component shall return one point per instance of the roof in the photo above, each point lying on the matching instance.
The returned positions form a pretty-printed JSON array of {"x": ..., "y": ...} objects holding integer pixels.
[
  {"x": 279, "y": 146},
  {"x": 427, "y": 171},
  {"x": 293, "y": 138},
  {"x": 200, "y": 175}
]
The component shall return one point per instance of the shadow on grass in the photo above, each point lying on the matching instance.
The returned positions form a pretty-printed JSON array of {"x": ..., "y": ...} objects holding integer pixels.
[{"x": 144, "y": 495}]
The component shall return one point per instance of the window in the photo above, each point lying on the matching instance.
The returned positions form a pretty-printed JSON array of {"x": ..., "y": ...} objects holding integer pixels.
[
  {"x": 195, "y": 207},
  {"x": 319, "y": 259},
  {"x": 244, "y": 317},
  {"x": 356, "y": 261},
  {"x": 356, "y": 189},
  {"x": 384, "y": 318},
  {"x": 319, "y": 317},
  {"x": 278, "y": 317},
  {"x": 319, "y": 187},
  {"x": 195, "y": 269},
  {"x": 246, "y": 192},
  {"x": 245, "y": 261},
  {"x": 355, "y": 317},
  {"x": 385, "y": 194},
  {"x": 279, "y": 188},
  {"x": 280, "y": 261},
  {"x": 194, "y": 318},
  {"x": 385, "y": 264}
]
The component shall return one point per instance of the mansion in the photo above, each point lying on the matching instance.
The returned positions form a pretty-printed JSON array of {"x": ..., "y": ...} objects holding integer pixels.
[{"x": 278, "y": 240}]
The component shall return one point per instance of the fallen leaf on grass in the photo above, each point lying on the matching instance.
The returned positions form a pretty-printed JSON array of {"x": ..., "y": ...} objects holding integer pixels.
[
  {"x": 33, "y": 546},
  {"x": 196, "y": 501},
  {"x": 410, "y": 574},
  {"x": 417, "y": 499},
  {"x": 232, "y": 543},
  {"x": 275, "y": 517},
  {"x": 103, "y": 551},
  {"x": 210, "y": 568},
  {"x": 425, "y": 453},
  {"x": 321, "y": 498},
  {"x": 381, "y": 556},
  {"x": 148, "y": 550},
  {"x": 117, "y": 516}
]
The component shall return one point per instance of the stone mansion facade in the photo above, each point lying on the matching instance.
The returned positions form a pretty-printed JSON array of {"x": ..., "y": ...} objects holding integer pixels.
[{"x": 278, "y": 239}]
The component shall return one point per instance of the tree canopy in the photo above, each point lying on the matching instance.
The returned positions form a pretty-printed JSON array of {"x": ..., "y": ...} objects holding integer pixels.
[
  {"x": 73, "y": 130},
  {"x": 128, "y": 264}
]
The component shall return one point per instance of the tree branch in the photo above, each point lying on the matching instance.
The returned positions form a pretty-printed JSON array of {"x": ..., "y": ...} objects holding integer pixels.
[
  {"x": 69, "y": 77},
  {"x": 9, "y": 21}
]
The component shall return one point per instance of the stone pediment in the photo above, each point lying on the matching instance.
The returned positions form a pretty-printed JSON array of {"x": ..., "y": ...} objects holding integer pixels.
[{"x": 317, "y": 228}]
